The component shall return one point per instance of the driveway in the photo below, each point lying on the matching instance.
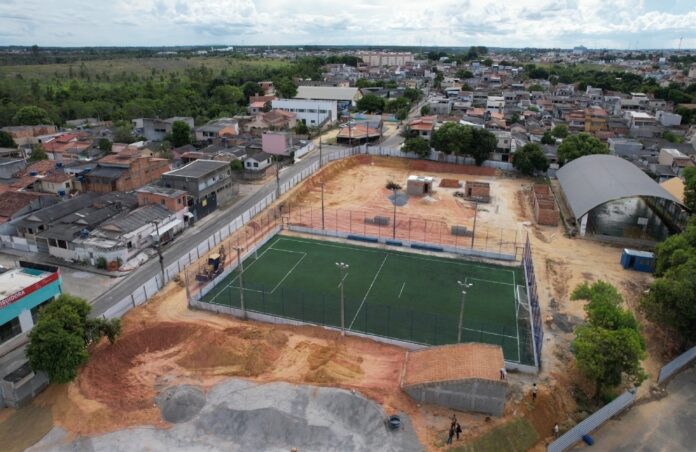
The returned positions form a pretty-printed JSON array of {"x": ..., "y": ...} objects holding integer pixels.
[{"x": 668, "y": 424}]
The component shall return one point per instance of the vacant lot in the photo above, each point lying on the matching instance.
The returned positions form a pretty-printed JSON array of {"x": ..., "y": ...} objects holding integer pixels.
[{"x": 137, "y": 66}]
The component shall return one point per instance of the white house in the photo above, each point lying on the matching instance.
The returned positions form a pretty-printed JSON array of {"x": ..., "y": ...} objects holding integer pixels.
[
  {"x": 668, "y": 119},
  {"x": 311, "y": 112},
  {"x": 495, "y": 104},
  {"x": 257, "y": 162}
]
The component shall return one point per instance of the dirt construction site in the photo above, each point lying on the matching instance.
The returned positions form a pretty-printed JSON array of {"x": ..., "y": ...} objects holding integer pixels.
[{"x": 181, "y": 379}]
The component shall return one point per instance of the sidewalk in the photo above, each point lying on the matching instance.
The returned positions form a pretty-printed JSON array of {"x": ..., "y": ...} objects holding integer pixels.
[{"x": 45, "y": 258}]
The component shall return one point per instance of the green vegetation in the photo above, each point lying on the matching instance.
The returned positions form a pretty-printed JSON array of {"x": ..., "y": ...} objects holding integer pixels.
[
  {"x": 547, "y": 138},
  {"x": 6, "y": 140},
  {"x": 671, "y": 300},
  {"x": 37, "y": 153},
  {"x": 610, "y": 345},
  {"x": 576, "y": 146},
  {"x": 672, "y": 137},
  {"x": 453, "y": 138},
  {"x": 425, "y": 110},
  {"x": 104, "y": 144},
  {"x": 371, "y": 103},
  {"x": 560, "y": 131},
  {"x": 58, "y": 342},
  {"x": 535, "y": 87},
  {"x": 690, "y": 189},
  {"x": 181, "y": 134},
  {"x": 301, "y": 128},
  {"x": 418, "y": 145},
  {"x": 530, "y": 160},
  {"x": 514, "y": 435},
  {"x": 123, "y": 89}
]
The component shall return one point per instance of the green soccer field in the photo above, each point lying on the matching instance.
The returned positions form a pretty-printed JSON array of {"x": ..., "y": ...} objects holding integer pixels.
[{"x": 395, "y": 294}]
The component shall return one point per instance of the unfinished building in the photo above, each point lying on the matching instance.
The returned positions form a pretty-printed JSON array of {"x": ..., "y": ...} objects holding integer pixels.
[
  {"x": 545, "y": 209},
  {"x": 478, "y": 191}
]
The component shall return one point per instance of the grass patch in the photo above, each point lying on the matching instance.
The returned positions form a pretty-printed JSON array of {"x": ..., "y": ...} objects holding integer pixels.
[{"x": 515, "y": 435}]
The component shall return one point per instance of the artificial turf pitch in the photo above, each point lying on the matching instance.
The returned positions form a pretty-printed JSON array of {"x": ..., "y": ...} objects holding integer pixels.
[{"x": 402, "y": 295}]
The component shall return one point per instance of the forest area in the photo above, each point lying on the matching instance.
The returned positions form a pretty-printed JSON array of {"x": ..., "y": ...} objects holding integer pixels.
[{"x": 124, "y": 88}]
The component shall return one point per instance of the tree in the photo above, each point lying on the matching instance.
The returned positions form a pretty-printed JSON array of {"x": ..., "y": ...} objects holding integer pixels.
[
  {"x": 181, "y": 134},
  {"x": 425, "y": 110},
  {"x": 547, "y": 138},
  {"x": 104, "y": 144},
  {"x": 560, "y": 131},
  {"x": 31, "y": 115},
  {"x": 530, "y": 159},
  {"x": 487, "y": 62},
  {"x": 453, "y": 138},
  {"x": 371, "y": 103},
  {"x": 412, "y": 94},
  {"x": 226, "y": 94},
  {"x": 58, "y": 342},
  {"x": 401, "y": 114},
  {"x": 535, "y": 87},
  {"x": 690, "y": 189},
  {"x": 463, "y": 73},
  {"x": 484, "y": 143},
  {"x": 301, "y": 128},
  {"x": 610, "y": 345},
  {"x": 417, "y": 145},
  {"x": 515, "y": 118},
  {"x": 672, "y": 137},
  {"x": 6, "y": 140},
  {"x": 122, "y": 132},
  {"x": 37, "y": 153},
  {"x": 285, "y": 87},
  {"x": 576, "y": 146}
]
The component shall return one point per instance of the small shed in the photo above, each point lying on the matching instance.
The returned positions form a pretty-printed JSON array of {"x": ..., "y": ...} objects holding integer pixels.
[
  {"x": 642, "y": 261},
  {"x": 419, "y": 185},
  {"x": 480, "y": 191}
]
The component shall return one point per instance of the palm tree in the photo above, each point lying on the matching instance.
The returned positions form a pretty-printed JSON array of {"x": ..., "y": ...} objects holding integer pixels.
[{"x": 394, "y": 187}]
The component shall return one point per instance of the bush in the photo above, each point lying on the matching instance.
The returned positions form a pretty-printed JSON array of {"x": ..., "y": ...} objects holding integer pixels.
[{"x": 101, "y": 262}]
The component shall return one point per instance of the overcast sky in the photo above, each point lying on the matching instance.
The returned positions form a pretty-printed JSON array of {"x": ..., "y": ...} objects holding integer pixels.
[{"x": 510, "y": 23}]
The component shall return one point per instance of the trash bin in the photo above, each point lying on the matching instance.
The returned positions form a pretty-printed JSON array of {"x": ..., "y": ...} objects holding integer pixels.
[{"x": 588, "y": 440}]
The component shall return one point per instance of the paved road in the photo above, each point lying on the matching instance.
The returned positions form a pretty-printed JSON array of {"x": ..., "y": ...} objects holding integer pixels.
[
  {"x": 668, "y": 424},
  {"x": 206, "y": 229}
]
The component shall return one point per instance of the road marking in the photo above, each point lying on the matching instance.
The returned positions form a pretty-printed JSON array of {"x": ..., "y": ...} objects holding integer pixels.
[
  {"x": 289, "y": 272},
  {"x": 368, "y": 292},
  {"x": 402, "y": 289}
]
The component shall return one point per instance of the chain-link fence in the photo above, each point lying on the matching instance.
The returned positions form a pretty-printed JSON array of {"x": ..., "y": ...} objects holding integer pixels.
[{"x": 384, "y": 223}]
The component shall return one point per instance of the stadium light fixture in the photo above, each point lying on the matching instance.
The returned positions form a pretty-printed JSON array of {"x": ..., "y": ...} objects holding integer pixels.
[{"x": 464, "y": 285}]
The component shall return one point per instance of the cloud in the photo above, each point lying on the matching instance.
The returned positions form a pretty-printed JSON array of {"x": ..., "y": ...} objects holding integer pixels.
[{"x": 522, "y": 23}]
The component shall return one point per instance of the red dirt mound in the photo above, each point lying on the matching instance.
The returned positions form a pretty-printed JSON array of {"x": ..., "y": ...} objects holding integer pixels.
[
  {"x": 106, "y": 376},
  {"x": 440, "y": 167}
]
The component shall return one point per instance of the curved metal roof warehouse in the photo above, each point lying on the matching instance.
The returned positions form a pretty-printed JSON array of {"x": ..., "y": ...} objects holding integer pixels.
[{"x": 593, "y": 180}]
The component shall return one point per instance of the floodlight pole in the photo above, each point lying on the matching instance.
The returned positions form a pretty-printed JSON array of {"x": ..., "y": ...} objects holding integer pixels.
[
  {"x": 394, "y": 220},
  {"x": 322, "y": 207},
  {"x": 464, "y": 285},
  {"x": 343, "y": 267},
  {"x": 319, "y": 126},
  {"x": 241, "y": 280},
  {"x": 277, "y": 177}
]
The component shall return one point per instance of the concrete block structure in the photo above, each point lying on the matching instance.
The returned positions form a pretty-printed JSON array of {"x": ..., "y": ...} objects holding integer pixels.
[
  {"x": 419, "y": 185},
  {"x": 461, "y": 376},
  {"x": 545, "y": 209},
  {"x": 480, "y": 191}
]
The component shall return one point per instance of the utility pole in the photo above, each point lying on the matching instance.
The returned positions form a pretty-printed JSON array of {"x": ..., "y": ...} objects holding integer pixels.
[
  {"x": 241, "y": 280},
  {"x": 343, "y": 268},
  {"x": 277, "y": 177},
  {"x": 473, "y": 233},
  {"x": 464, "y": 285},
  {"x": 159, "y": 250},
  {"x": 319, "y": 125}
]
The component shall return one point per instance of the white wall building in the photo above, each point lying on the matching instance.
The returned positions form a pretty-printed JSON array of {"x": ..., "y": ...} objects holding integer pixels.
[
  {"x": 668, "y": 119},
  {"x": 311, "y": 112}
]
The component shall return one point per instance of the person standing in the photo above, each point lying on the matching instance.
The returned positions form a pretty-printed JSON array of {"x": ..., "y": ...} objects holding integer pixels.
[
  {"x": 450, "y": 434},
  {"x": 503, "y": 373},
  {"x": 458, "y": 430},
  {"x": 555, "y": 430},
  {"x": 534, "y": 391}
]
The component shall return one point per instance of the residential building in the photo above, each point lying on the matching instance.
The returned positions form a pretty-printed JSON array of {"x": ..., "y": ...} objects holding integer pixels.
[
  {"x": 208, "y": 182},
  {"x": 272, "y": 120},
  {"x": 125, "y": 172},
  {"x": 674, "y": 159},
  {"x": 9, "y": 166},
  {"x": 441, "y": 106},
  {"x": 495, "y": 104},
  {"x": 59, "y": 183},
  {"x": 257, "y": 161},
  {"x": 638, "y": 119},
  {"x": 172, "y": 199},
  {"x": 424, "y": 126},
  {"x": 25, "y": 135},
  {"x": 505, "y": 146},
  {"x": 311, "y": 112},
  {"x": 217, "y": 128},
  {"x": 155, "y": 129},
  {"x": 344, "y": 97},
  {"x": 595, "y": 119},
  {"x": 16, "y": 204},
  {"x": 668, "y": 119},
  {"x": 624, "y": 147},
  {"x": 380, "y": 59}
]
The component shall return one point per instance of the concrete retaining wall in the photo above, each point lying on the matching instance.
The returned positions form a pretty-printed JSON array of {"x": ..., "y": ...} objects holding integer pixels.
[{"x": 482, "y": 396}]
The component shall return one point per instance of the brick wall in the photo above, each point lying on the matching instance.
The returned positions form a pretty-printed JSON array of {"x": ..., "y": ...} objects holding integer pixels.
[
  {"x": 545, "y": 209},
  {"x": 478, "y": 189}
]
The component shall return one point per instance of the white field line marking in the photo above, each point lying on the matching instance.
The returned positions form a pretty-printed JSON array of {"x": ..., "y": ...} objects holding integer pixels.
[
  {"x": 488, "y": 332},
  {"x": 289, "y": 272},
  {"x": 287, "y": 251},
  {"x": 368, "y": 292},
  {"x": 404, "y": 255},
  {"x": 491, "y": 282},
  {"x": 230, "y": 284},
  {"x": 402, "y": 289}
]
